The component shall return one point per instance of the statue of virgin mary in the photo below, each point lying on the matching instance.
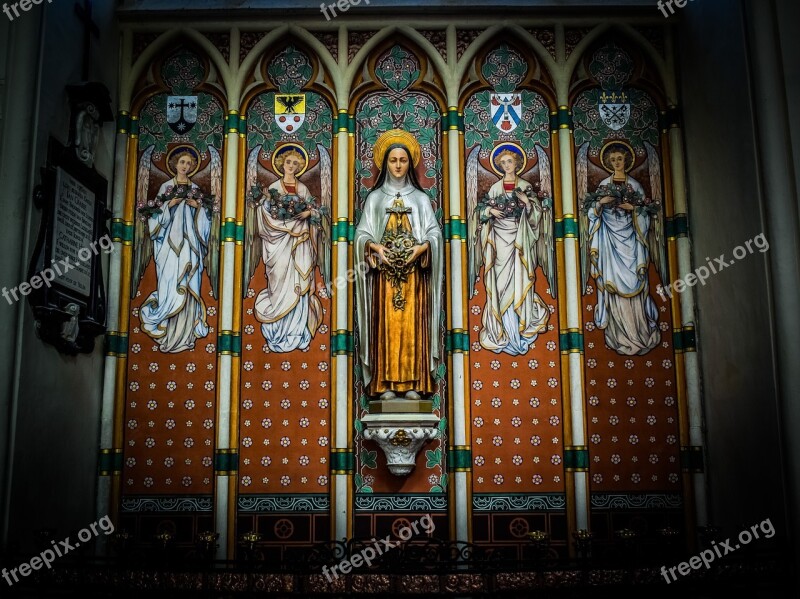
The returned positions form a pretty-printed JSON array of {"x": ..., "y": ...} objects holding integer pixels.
[{"x": 399, "y": 247}]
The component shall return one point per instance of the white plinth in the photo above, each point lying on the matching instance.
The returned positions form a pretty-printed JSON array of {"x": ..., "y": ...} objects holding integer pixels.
[{"x": 400, "y": 436}]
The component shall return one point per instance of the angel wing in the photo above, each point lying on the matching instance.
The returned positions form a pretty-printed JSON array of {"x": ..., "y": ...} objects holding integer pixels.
[
  {"x": 474, "y": 249},
  {"x": 545, "y": 174},
  {"x": 211, "y": 260},
  {"x": 545, "y": 247},
  {"x": 325, "y": 204},
  {"x": 655, "y": 234},
  {"x": 582, "y": 177},
  {"x": 253, "y": 250},
  {"x": 143, "y": 248}
]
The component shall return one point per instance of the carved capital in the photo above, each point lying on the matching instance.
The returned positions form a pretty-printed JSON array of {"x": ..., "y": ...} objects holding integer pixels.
[{"x": 400, "y": 436}]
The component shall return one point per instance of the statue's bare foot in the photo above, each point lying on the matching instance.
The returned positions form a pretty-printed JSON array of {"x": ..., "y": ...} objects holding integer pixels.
[
  {"x": 413, "y": 395},
  {"x": 388, "y": 395}
]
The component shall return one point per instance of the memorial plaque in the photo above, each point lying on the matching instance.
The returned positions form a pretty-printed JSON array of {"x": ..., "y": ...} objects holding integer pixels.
[
  {"x": 69, "y": 300},
  {"x": 73, "y": 229},
  {"x": 71, "y": 311}
]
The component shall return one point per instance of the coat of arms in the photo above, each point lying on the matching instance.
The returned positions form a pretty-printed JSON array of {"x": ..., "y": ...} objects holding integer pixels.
[
  {"x": 181, "y": 113},
  {"x": 615, "y": 111},
  {"x": 506, "y": 111},
  {"x": 290, "y": 111}
]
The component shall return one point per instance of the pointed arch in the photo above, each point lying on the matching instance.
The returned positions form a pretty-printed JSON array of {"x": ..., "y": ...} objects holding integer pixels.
[
  {"x": 166, "y": 40},
  {"x": 494, "y": 34},
  {"x": 636, "y": 39},
  {"x": 280, "y": 36},
  {"x": 412, "y": 38}
]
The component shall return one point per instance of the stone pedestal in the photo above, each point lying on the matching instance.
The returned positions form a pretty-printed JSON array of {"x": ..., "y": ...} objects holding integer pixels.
[{"x": 400, "y": 434}]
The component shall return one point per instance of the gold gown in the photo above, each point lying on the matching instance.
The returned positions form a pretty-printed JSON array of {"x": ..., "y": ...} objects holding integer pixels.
[{"x": 400, "y": 348}]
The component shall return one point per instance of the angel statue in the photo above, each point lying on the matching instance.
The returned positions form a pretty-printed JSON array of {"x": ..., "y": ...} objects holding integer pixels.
[
  {"x": 289, "y": 231},
  {"x": 398, "y": 245},
  {"x": 511, "y": 234},
  {"x": 179, "y": 229},
  {"x": 621, "y": 231}
]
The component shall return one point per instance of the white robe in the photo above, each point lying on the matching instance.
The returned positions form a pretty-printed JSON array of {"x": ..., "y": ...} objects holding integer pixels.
[
  {"x": 620, "y": 262},
  {"x": 288, "y": 308},
  {"x": 514, "y": 314},
  {"x": 174, "y": 315},
  {"x": 371, "y": 227}
]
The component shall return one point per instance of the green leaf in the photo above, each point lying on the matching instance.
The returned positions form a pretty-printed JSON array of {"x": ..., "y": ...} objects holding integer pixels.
[
  {"x": 359, "y": 426},
  {"x": 472, "y": 138},
  {"x": 444, "y": 480},
  {"x": 369, "y": 458},
  {"x": 425, "y": 136},
  {"x": 433, "y": 457},
  {"x": 358, "y": 480},
  {"x": 441, "y": 371},
  {"x": 366, "y": 489},
  {"x": 364, "y": 401},
  {"x": 436, "y": 401},
  {"x": 442, "y": 425}
]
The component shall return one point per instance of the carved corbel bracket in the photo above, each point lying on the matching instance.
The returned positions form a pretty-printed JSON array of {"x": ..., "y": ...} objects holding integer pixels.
[{"x": 400, "y": 436}]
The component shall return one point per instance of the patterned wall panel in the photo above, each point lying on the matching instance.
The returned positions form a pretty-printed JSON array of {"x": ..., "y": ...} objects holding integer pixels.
[
  {"x": 170, "y": 406},
  {"x": 285, "y": 409},
  {"x": 630, "y": 376},
  {"x": 515, "y": 366},
  {"x": 400, "y": 104}
]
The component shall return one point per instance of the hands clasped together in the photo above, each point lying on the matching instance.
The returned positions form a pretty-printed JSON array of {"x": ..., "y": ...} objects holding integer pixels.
[{"x": 380, "y": 254}]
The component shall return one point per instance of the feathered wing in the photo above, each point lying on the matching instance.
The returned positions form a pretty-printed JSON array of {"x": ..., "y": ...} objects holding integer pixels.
[
  {"x": 582, "y": 176},
  {"x": 474, "y": 249},
  {"x": 211, "y": 260},
  {"x": 545, "y": 246},
  {"x": 655, "y": 234},
  {"x": 253, "y": 250},
  {"x": 251, "y": 174},
  {"x": 545, "y": 174},
  {"x": 326, "y": 214},
  {"x": 142, "y": 248}
]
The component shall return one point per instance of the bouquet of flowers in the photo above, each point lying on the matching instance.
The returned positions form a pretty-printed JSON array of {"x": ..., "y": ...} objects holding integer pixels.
[
  {"x": 622, "y": 194},
  {"x": 186, "y": 192},
  {"x": 509, "y": 204},
  {"x": 286, "y": 207}
]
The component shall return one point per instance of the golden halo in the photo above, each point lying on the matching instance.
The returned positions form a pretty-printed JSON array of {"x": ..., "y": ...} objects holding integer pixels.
[
  {"x": 512, "y": 147},
  {"x": 617, "y": 142},
  {"x": 396, "y": 136},
  {"x": 285, "y": 148},
  {"x": 183, "y": 148}
]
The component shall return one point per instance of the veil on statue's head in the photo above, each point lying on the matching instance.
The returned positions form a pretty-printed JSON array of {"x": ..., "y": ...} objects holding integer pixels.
[{"x": 392, "y": 140}]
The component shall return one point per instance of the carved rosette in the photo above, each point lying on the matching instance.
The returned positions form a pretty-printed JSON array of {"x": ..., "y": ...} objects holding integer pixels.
[{"x": 400, "y": 436}]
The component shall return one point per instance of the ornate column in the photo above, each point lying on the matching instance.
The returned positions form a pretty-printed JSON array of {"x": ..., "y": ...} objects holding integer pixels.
[
  {"x": 459, "y": 455},
  {"x": 342, "y": 458}
]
